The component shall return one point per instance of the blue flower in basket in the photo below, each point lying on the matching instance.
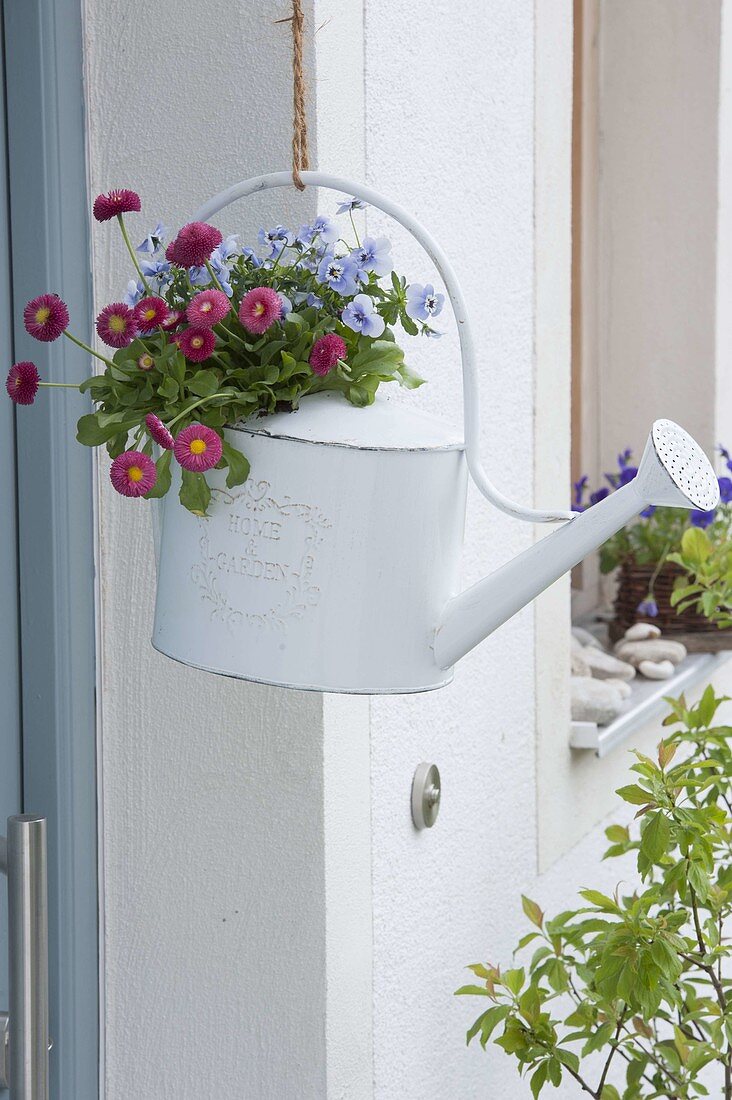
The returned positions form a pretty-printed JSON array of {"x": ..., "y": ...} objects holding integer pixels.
[
  {"x": 153, "y": 240},
  {"x": 349, "y": 205},
  {"x": 361, "y": 316},
  {"x": 339, "y": 272},
  {"x": 423, "y": 302},
  {"x": 135, "y": 291},
  {"x": 373, "y": 255}
]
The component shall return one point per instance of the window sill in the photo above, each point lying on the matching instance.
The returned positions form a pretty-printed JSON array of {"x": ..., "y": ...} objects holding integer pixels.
[{"x": 645, "y": 704}]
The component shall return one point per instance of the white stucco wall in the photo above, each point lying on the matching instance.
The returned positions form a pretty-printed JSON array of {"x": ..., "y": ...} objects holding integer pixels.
[{"x": 265, "y": 894}]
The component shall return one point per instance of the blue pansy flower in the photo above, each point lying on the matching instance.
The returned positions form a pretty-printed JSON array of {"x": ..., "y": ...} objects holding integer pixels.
[
  {"x": 627, "y": 473},
  {"x": 326, "y": 229},
  {"x": 599, "y": 494},
  {"x": 157, "y": 271},
  {"x": 135, "y": 291},
  {"x": 702, "y": 519},
  {"x": 286, "y": 304},
  {"x": 373, "y": 255},
  {"x": 648, "y": 607},
  {"x": 228, "y": 248},
  {"x": 339, "y": 273},
  {"x": 274, "y": 240},
  {"x": 423, "y": 302},
  {"x": 579, "y": 493},
  {"x": 432, "y": 333},
  {"x": 361, "y": 316},
  {"x": 314, "y": 300},
  {"x": 250, "y": 254},
  {"x": 349, "y": 205},
  {"x": 725, "y": 489},
  {"x": 648, "y": 512},
  {"x": 153, "y": 240}
]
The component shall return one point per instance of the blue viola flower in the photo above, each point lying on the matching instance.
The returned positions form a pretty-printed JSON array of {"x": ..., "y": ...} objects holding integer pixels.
[
  {"x": 648, "y": 607},
  {"x": 157, "y": 271},
  {"x": 361, "y": 316},
  {"x": 286, "y": 304},
  {"x": 153, "y": 241},
  {"x": 349, "y": 205},
  {"x": 423, "y": 302},
  {"x": 228, "y": 248},
  {"x": 725, "y": 489},
  {"x": 326, "y": 229},
  {"x": 624, "y": 458},
  {"x": 627, "y": 473},
  {"x": 339, "y": 273},
  {"x": 432, "y": 333},
  {"x": 599, "y": 494},
  {"x": 374, "y": 255},
  {"x": 726, "y": 456},
  {"x": 702, "y": 519},
  {"x": 135, "y": 291},
  {"x": 250, "y": 254},
  {"x": 579, "y": 493},
  {"x": 648, "y": 512},
  {"x": 274, "y": 240},
  {"x": 314, "y": 300}
]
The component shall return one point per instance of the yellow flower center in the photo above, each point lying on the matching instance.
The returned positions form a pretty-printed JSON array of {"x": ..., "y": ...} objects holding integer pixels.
[
  {"x": 197, "y": 342},
  {"x": 135, "y": 473},
  {"x": 145, "y": 361},
  {"x": 206, "y": 307},
  {"x": 259, "y": 309},
  {"x": 198, "y": 446},
  {"x": 149, "y": 314},
  {"x": 42, "y": 315},
  {"x": 117, "y": 323}
]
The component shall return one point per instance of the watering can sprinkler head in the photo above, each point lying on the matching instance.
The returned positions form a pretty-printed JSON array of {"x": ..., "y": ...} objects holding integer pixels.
[{"x": 674, "y": 472}]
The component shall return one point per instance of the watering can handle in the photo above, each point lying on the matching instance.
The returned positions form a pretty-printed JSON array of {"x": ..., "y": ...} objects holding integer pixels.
[{"x": 471, "y": 407}]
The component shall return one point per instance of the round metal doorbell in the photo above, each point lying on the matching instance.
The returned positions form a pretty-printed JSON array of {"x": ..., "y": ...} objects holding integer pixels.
[{"x": 426, "y": 794}]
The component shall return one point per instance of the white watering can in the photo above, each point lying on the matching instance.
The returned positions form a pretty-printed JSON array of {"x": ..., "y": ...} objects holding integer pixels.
[{"x": 336, "y": 566}]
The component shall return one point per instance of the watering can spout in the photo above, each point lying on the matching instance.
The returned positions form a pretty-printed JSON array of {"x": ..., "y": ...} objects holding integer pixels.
[{"x": 673, "y": 472}]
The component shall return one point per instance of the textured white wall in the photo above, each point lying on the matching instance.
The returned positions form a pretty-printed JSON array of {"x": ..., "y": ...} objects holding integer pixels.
[{"x": 240, "y": 865}]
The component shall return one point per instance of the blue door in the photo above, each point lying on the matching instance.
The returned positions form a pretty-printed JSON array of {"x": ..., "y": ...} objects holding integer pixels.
[
  {"x": 10, "y": 762},
  {"x": 47, "y": 625}
]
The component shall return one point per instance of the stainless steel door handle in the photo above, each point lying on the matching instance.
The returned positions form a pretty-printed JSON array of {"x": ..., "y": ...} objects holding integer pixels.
[{"x": 24, "y": 1030}]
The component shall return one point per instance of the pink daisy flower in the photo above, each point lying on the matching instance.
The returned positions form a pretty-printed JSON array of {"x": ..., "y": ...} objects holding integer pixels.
[
  {"x": 208, "y": 308},
  {"x": 116, "y": 325},
  {"x": 198, "y": 448},
  {"x": 45, "y": 317},
  {"x": 133, "y": 474},
  {"x": 173, "y": 319},
  {"x": 146, "y": 361},
  {"x": 259, "y": 309},
  {"x": 326, "y": 353},
  {"x": 193, "y": 245},
  {"x": 120, "y": 201},
  {"x": 150, "y": 312},
  {"x": 23, "y": 382},
  {"x": 159, "y": 432},
  {"x": 196, "y": 343}
]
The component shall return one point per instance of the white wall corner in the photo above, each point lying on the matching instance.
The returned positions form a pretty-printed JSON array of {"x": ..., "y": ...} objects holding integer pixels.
[{"x": 552, "y": 372}]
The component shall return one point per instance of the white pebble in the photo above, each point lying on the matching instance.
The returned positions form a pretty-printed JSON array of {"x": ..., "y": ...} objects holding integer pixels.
[
  {"x": 656, "y": 670},
  {"x": 638, "y": 632}
]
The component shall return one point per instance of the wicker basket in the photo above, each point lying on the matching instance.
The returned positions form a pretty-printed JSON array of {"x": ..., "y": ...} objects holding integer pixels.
[{"x": 633, "y": 584}]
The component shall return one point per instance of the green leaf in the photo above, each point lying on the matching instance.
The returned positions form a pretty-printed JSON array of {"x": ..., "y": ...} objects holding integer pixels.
[
  {"x": 532, "y": 911},
  {"x": 195, "y": 493},
  {"x": 514, "y": 980},
  {"x": 162, "y": 483},
  {"x": 538, "y": 1079},
  {"x": 169, "y": 388},
  {"x": 695, "y": 545},
  {"x": 238, "y": 466},
  {"x": 204, "y": 383},
  {"x": 472, "y": 991},
  {"x": 655, "y": 837},
  {"x": 600, "y": 900},
  {"x": 634, "y": 794},
  {"x": 91, "y": 433}
]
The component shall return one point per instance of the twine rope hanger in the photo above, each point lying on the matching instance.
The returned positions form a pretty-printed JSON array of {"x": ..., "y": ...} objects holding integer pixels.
[{"x": 300, "y": 156}]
